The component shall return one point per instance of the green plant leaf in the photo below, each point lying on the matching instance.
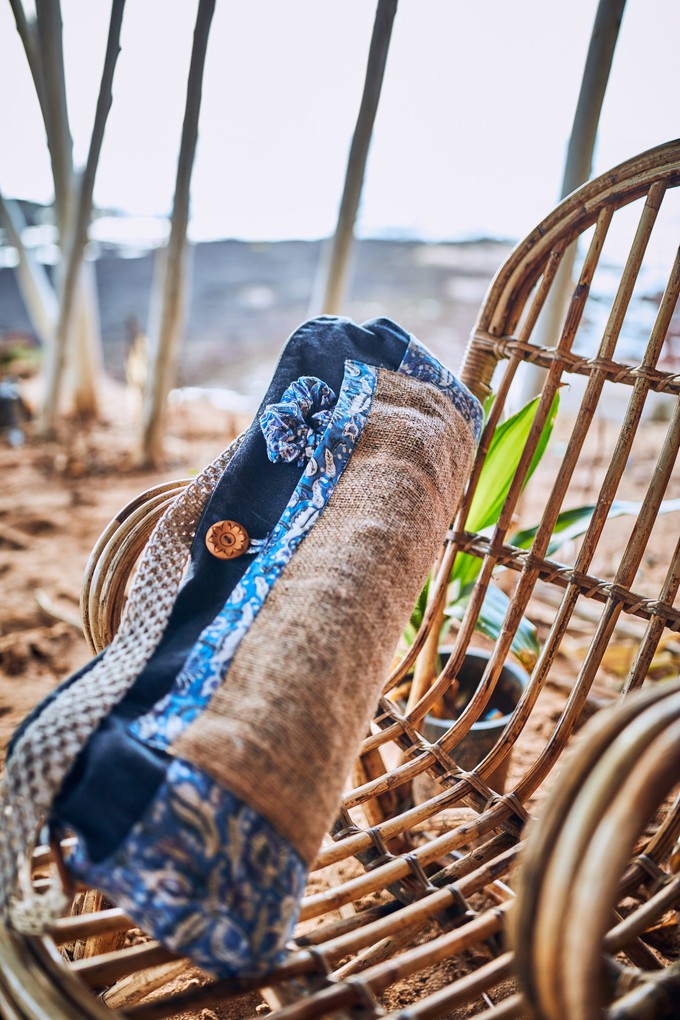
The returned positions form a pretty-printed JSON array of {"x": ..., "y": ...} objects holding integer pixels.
[
  {"x": 409, "y": 634},
  {"x": 465, "y": 569},
  {"x": 496, "y": 476},
  {"x": 417, "y": 614},
  {"x": 500, "y": 463},
  {"x": 486, "y": 407},
  {"x": 573, "y": 523},
  {"x": 490, "y": 621}
]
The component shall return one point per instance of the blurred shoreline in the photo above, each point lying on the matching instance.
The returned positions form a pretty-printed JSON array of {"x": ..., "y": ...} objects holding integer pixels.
[{"x": 245, "y": 298}]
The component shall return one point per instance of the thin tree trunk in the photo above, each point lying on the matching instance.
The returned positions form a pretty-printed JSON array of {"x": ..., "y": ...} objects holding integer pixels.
[
  {"x": 55, "y": 111},
  {"x": 34, "y": 283},
  {"x": 87, "y": 365},
  {"x": 28, "y": 33},
  {"x": 577, "y": 170},
  {"x": 42, "y": 41},
  {"x": 333, "y": 267},
  {"x": 77, "y": 234},
  {"x": 165, "y": 327}
]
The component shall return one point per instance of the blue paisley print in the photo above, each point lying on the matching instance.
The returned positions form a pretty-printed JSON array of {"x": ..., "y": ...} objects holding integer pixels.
[
  {"x": 293, "y": 427},
  {"x": 421, "y": 364},
  {"x": 207, "y": 875},
  {"x": 209, "y": 659}
]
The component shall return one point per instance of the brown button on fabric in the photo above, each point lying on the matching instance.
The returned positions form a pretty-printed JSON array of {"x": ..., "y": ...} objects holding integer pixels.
[{"x": 227, "y": 539}]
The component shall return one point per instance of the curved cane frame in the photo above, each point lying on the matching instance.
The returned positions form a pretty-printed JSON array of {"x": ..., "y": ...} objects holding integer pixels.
[
  {"x": 618, "y": 781},
  {"x": 113, "y": 558},
  {"x": 408, "y": 903}
]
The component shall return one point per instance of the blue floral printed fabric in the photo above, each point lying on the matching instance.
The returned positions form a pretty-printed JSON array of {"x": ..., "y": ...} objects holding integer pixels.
[
  {"x": 207, "y": 875},
  {"x": 293, "y": 427},
  {"x": 211, "y": 656},
  {"x": 421, "y": 364}
]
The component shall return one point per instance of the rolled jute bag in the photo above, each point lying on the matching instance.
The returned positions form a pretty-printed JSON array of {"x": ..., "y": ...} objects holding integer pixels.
[{"x": 200, "y": 758}]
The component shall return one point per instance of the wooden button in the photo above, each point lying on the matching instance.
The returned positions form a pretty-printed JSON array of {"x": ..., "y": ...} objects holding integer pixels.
[{"x": 227, "y": 539}]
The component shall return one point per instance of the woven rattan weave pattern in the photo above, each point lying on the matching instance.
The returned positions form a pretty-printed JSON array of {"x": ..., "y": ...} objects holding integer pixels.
[{"x": 410, "y": 904}]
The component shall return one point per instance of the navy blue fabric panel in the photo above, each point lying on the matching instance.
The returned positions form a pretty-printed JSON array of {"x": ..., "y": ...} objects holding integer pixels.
[
  {"x": 109, "y": 787},
  {"x": 116, "y": 776}
]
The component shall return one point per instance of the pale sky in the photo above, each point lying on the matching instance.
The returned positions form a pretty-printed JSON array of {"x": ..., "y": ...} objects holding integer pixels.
[{"x": 470, "y": 136}]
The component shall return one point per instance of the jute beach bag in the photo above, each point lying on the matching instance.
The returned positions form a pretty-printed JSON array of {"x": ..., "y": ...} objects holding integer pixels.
[{"x": 200, "y": 759}]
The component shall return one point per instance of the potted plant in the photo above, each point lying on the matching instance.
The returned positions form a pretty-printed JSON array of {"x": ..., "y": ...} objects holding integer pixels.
[{"x": 494, "y": 482}]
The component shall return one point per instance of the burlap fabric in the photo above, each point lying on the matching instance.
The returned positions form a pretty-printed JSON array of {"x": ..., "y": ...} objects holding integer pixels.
[{"x": 283, "y": 729}]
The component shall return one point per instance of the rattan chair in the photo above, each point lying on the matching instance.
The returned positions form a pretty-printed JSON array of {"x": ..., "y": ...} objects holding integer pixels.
[{"x": 416, "y": 909}]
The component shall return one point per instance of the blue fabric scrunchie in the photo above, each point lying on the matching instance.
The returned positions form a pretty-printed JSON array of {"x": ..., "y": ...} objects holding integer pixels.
[{"x": 293, "y": 427}]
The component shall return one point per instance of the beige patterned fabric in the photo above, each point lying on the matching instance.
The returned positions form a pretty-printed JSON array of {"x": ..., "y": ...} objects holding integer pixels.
[
  {"x": 48, "y": 747},
  {"x": 283, "y": 729}
]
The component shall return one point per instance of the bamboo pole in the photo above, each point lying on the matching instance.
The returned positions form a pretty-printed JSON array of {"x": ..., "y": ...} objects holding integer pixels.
[
  {"x": 77, "y": 234},
  {"x": 577, "y": 170},
  {"x": 333, "y": 268},
  {"x": 164, "y": 332}
]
